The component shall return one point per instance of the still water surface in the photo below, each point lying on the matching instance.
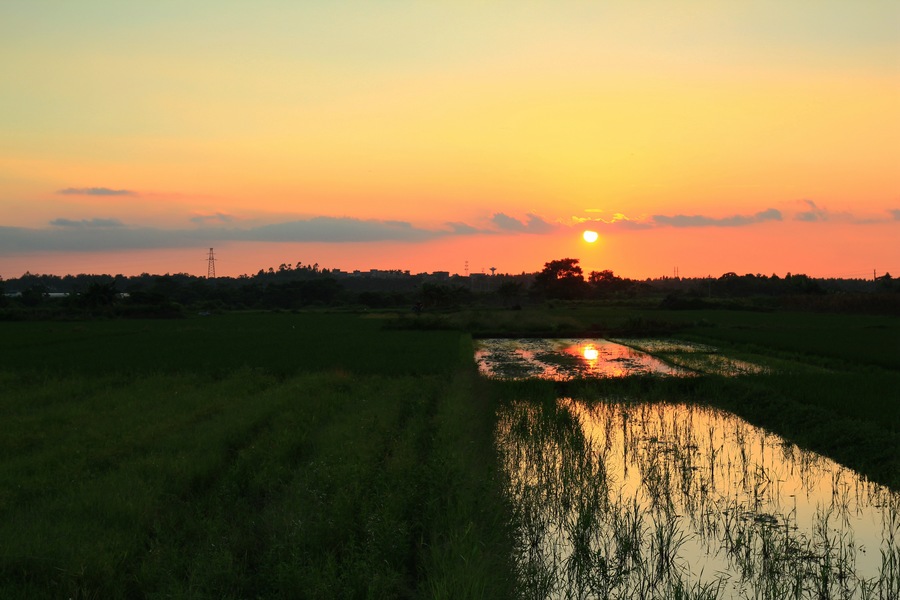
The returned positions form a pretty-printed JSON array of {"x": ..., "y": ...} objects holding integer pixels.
[
  {"x": 655, "y": 500},
  {"x": 563, "y": 359},
  {"x": 641, "y": 500}
]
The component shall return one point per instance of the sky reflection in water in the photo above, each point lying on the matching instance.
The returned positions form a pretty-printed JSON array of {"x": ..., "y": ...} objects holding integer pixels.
[
  {"x": 631, "y": 500},
  {"x": 561, "y": 359}
]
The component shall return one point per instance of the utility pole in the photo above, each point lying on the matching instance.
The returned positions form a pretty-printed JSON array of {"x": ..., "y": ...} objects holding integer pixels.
[{"x": 211, "y": 265}]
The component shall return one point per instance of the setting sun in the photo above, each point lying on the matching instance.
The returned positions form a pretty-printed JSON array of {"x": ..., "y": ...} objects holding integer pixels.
[{"x": 360, "y": 139}]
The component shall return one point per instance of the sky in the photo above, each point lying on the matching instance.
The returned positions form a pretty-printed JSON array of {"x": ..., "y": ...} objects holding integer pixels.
[{"x": 703, "y": 136}]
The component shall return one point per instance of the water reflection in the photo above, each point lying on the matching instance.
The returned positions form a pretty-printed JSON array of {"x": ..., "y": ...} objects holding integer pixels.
[
  {"x": 561, "y": 359},
  {"x": 661, "y": 500},
  {"x": 696, "y": 357},
  {"x": 591, "y": 354}
]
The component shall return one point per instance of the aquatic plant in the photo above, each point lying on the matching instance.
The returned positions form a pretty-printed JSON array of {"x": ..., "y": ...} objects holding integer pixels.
[{"x": 661, "y": 500}]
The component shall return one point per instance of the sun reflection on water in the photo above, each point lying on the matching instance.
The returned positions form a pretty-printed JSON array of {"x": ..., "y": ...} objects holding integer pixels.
[
  {"x": 562, "y": 359},
  {"x": 591, "y": 354}
]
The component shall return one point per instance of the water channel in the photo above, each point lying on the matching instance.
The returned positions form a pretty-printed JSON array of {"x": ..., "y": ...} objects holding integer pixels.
[{"x": 659, "y": 500}]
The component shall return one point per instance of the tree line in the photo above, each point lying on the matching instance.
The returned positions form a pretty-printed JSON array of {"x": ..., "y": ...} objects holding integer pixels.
[{"x": 294, "y": 287}]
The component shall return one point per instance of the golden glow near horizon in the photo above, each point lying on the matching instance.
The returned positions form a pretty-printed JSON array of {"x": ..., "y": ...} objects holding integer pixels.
[
  {"x": 145, "y": 128},
  {"x": 590, "y": 236}
]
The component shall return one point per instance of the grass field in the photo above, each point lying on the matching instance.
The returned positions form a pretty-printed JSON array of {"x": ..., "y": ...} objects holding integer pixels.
[
  {"x": 340, "y": 455},
  {"x": 267, "y": 455}
]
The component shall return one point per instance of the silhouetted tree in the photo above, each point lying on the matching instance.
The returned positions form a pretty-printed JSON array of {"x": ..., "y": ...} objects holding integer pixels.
[
  {"x": 33, "y": 295},
  {"x": 561, "y": 278},
  {"x": 99, "y": 294},
  {"x": 510, "y": 291},
  {"x": 434, "y": 295}
]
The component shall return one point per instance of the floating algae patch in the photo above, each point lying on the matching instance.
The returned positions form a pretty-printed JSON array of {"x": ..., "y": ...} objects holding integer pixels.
[
  {"x": 562, "y": 359},
  {"x": 671, "y": 500}
]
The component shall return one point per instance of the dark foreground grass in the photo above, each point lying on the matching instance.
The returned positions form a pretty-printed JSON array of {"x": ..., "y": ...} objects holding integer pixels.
[
  {"x": 323, "y": 456},
  {"x": 280, "y": 343},
  {"x": 331, "y": 482}
]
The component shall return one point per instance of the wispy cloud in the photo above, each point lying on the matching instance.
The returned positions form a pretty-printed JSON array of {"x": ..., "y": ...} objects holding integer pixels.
[
  {"x": 620, "y": 221},
  {"x": 812, "y": 214},
  {"x": 460, "y": 228},
  {"x": 532, "y": 223},
  {"x": 87, "y": 223},
  {"x": 770, "y": 214},
  {"x": 216, "y": 218},
  {"x": 336, "y": 229},
  {"x": 95, "y": 191},
  {"x": 90, "y": 235}
]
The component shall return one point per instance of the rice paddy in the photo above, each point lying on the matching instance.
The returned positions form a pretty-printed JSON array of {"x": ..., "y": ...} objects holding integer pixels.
[
  {"x": 341, "y": 455},
  {"x": 567, "y": 359},
  {"x": 657, "y": 500}
]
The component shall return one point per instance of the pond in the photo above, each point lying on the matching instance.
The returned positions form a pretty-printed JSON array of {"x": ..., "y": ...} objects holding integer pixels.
[
  {"x": 563, "y": 359},
  {"x": 673, "y": 500}
]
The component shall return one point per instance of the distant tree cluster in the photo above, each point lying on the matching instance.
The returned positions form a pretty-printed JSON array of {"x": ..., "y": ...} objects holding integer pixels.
[
  {"x": 564, "y": 279},
  {"x": 301, "y": 286}
]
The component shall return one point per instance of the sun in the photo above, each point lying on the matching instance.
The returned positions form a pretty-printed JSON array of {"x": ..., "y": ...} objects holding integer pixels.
[
  {"x": 590, "y": 236},
  {"x": 590, "y": 352}
]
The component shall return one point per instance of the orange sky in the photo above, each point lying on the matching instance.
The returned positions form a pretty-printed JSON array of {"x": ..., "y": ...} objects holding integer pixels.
[{"x": 741, "y": 137}]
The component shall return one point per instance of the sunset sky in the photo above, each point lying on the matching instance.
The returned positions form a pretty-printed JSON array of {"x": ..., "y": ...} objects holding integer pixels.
[{"x": 755, "y": 137}]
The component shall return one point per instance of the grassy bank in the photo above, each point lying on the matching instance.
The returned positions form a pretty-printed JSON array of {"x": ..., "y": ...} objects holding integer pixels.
[{"x": 246, "y": 456}]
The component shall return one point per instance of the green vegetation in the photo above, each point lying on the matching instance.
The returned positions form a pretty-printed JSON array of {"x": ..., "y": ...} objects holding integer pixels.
[
  {"x": 282, "y": 343},
  {"x": 665, "y": 500},
  {"x": 266, "y": 455},
  {"x": 833, "y": 386},
  {"x": 303, "y": 287},
  {"x": 326, "y": 454},
  {"x": 829, "y": 339}
]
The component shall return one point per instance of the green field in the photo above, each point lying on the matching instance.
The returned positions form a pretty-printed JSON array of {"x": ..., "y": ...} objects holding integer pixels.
[
  {"x": 340, "y": 455},
  {"x": 266, "y": 455}
]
